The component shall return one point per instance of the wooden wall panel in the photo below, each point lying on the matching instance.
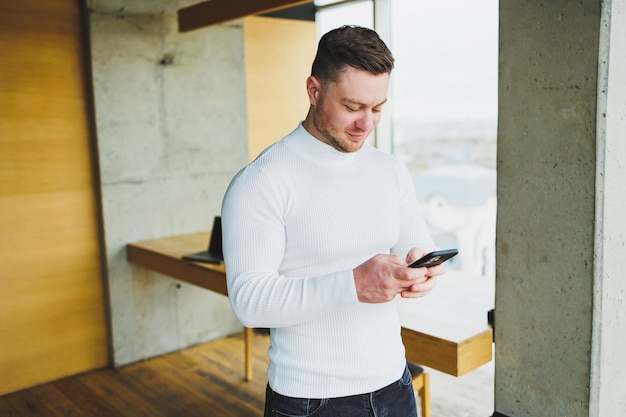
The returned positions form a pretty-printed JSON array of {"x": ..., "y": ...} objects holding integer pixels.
[
  {"x": 52, "y": 320},
  {"x": 278, "y": 53}
]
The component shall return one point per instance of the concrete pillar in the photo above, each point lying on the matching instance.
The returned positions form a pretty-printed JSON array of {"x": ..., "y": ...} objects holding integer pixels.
[{"x": 561, "y": 232}]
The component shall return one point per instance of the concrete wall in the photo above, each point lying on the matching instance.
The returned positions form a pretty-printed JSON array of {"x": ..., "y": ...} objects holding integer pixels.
[
  {"x": 608, "y": 370},
  {"x": 171, "y": 127},
  {"x": 560, "y": 239}
]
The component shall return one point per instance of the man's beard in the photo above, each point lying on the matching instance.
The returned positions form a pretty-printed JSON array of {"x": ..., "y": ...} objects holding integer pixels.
[{"x": 332, "y": 135}]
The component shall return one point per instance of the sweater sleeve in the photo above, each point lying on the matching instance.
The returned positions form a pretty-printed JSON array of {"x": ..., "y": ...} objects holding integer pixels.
[
  {"x": 254, "y": 245},
  {"x": 414, "y": 232}
]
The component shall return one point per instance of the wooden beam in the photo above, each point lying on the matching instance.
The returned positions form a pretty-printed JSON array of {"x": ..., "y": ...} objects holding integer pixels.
[{"x": 212, "y": 12}]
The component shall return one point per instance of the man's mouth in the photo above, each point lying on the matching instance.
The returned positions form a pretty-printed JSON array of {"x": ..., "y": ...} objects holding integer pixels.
[{"x": 357, "y": 136}]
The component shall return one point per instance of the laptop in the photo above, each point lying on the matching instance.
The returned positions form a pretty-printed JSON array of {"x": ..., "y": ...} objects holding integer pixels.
[{"x": 214, "y": 254}]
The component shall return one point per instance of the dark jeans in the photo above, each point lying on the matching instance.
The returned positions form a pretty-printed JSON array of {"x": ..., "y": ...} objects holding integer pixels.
[{"x": 394, "y": 400}]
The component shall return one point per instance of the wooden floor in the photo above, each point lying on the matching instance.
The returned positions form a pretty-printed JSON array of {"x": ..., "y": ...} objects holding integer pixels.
[{"x": 207, "y": 380}]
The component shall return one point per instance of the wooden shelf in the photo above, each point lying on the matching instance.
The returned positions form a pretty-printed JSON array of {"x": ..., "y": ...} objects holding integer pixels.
[
  {"x": 212, "y": 12},
  {"x": 165, "y": 256}
]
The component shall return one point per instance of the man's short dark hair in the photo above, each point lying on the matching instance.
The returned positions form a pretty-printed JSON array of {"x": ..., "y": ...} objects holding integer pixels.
[{"x": 354, "y": 46}]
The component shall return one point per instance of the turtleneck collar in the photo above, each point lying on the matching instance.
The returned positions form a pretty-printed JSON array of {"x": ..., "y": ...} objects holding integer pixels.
[{"x": 312, "y": 149}]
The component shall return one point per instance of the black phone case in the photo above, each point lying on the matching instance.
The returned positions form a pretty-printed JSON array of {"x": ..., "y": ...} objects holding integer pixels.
[{"x": 434, "y": 258}]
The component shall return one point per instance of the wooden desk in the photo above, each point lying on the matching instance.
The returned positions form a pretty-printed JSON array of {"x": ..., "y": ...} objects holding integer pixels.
[
  {"x": 165, "y": 256},
  {"x": 446, "y": 330}
]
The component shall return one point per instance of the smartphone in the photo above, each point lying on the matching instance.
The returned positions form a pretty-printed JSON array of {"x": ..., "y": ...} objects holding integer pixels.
[{"x": 434, "y": 258}]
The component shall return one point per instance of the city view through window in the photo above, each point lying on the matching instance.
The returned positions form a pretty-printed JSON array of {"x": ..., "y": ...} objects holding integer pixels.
[{"x": 443, "y": 114}]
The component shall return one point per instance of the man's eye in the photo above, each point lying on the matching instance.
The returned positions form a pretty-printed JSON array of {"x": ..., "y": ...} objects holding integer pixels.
[{"x": 352, "y": 109}]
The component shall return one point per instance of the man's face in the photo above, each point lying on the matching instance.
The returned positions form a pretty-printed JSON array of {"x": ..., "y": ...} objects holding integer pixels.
[{"x": 346, "y": 112}]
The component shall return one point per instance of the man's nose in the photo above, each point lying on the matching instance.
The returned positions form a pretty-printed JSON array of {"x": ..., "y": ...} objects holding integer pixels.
[{"x": 366, "y": 121}]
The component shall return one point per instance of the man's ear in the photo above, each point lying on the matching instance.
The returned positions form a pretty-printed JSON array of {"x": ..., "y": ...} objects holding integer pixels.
[{"x": 313, "y": 89}]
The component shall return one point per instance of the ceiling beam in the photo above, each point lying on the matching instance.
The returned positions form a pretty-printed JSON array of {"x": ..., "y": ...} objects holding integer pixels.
[{"x": 212, "y": 12}]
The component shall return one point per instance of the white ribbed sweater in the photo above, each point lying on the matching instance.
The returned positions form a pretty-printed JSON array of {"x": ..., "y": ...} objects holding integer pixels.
[{"x": 296, "y": 221}]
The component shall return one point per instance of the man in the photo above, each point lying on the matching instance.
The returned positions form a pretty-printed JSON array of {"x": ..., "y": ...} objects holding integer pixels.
[{"x": 318, "y": 233}]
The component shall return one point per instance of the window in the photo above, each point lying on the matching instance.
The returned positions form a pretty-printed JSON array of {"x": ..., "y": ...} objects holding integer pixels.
[
  {"x": 332, "y": 14},
  {"x": 443, "y": 113}
]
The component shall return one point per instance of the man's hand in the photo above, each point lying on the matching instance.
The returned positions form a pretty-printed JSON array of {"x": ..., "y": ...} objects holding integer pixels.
[
  {"x": 420, "y": 290},
  {"x": 382, "y": 277}
]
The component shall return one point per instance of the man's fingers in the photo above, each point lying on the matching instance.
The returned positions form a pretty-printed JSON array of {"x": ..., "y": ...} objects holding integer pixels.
[{"x": 420, "y": 289}]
